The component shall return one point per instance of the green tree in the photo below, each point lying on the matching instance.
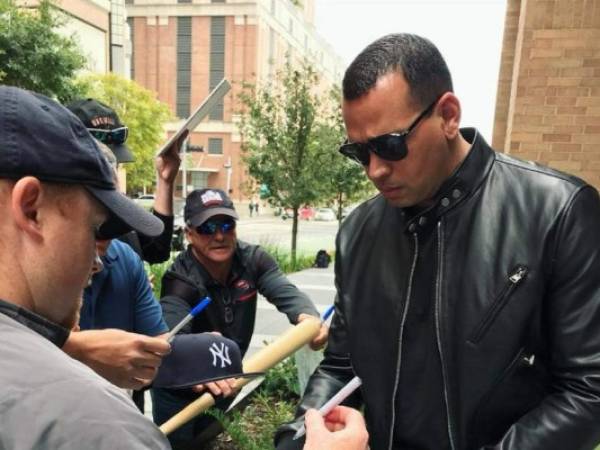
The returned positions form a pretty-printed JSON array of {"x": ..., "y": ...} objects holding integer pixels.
[
  {"x": 277, "y": 129},
  {"x": 139, "y": 110},
  {"x": 33, "y": 55},
  {"x": 344, "y": 181}
]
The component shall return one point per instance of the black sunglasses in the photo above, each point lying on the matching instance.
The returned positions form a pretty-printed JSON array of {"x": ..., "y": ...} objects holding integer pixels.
[
  {"x": 210, "y": 226},
  {"x": 390, "y": 146},
  {"x": 115, "y": 136}
]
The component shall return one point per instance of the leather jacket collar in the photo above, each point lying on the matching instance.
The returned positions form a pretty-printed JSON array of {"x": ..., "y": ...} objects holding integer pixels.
[{"x": 465, "y": 179}]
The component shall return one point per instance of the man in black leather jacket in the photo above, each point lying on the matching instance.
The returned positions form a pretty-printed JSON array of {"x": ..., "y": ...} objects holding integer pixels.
[{"x": 468, "y": 290}]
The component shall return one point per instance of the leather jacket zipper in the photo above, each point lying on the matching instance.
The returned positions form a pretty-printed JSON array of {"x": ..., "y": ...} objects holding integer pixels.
[
  {"x": 404, "y": 314},
  {"x": 438, "y": 306},
  {"x": 514, "y": 279}
]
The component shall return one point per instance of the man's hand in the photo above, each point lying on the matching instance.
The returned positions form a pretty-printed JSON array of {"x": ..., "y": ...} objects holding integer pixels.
[
  {"x": 128, "y": 360},
  {"x": 222, "y": 387},
  {"x": 321, "y": 339},
  {"x": 342, "y": 428},
  {"x": 167, "y": 165}
]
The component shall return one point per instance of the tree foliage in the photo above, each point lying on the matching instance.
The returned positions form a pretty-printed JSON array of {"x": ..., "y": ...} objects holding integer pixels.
[
  {"x": 33, "y": 54},
  {"x": 277, "y": 130},
  {"x": 139, "y": 110},
  {"x": 343, "y": 181}
]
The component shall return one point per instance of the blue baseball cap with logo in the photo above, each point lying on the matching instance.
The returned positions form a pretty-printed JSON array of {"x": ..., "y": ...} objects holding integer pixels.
[
  {"x": 200, "y": 358},
  {"x": 43, "y": 139}
]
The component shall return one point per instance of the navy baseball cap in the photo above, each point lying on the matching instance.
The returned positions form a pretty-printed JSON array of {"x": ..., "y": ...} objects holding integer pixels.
[
  {"x": 99, "y": 117},
  {"x": 202, "y": 204},
  {"x": 200, "y": 358},
  {"x": 43, "y": 139}
]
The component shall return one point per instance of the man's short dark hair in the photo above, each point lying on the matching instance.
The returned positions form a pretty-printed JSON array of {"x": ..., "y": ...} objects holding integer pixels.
[{"x": 416, "y": 58}]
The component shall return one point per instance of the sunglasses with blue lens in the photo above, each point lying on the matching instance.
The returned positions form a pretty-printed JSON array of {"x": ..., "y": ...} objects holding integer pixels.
[
  {"x": 116, "y": 136},
  {"x": 211, "y": 226},
  {"x": 390, "y": 146}
]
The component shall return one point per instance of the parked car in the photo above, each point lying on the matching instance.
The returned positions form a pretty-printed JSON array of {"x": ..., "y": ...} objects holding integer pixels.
[
  {"x": 146, "y": 201},
  {"x": 325, "y": 214},
  {"x": 287, "y": 214},
  {"x": 347, "y": 210},
  {"x": 304, "y": 213}
]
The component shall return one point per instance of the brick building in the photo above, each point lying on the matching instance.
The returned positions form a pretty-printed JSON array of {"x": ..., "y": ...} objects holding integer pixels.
[
  {"x": 181, "y": 49},
  {"x": 548, "y": 106}
]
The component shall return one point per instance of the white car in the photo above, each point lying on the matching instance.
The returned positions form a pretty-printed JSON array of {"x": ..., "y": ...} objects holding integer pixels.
[
  {"x": 146, "y": 201},
  {"x": 325, "y": 214}
]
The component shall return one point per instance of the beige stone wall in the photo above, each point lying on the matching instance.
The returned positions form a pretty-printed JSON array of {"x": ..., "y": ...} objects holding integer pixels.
[{"x": 548, "y": 103}]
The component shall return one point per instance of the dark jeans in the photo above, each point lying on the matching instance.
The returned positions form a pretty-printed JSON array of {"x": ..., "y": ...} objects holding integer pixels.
[{"x": 202, "y": 429}]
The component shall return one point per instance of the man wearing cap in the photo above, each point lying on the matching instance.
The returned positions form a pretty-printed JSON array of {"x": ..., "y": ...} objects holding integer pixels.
[
  {"x": 57, "y": 198},
  {"x": 104, "y": 124},
  {"x": 118, "y": 308},
  {"x": 231, "y": 272}
]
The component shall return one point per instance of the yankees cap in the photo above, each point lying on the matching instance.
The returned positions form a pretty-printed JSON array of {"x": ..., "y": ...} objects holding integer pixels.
[{"x": 200, "y": 358}]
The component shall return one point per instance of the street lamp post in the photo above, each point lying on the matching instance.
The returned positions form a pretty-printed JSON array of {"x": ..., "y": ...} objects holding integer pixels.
[{"x": 227, "y": 166}]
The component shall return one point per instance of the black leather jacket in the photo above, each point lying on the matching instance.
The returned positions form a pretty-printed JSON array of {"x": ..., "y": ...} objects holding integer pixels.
[{"x": 517, "y": 306}]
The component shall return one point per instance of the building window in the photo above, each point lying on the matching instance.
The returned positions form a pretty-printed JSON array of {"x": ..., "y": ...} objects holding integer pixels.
[
  {"x": 217, "y": 61},
  {"x": 215, "y": 146},
  {"x": 184, "y": 66},
  {"x": 199, "y": 180}
]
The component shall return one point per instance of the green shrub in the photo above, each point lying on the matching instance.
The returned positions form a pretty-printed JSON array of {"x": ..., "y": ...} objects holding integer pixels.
[
  {"x": 155, "y": 273},
  {"x": 284, "y": 259},
  {"x": 272, "y": 404},
  {"x": 282, "y": 381},
  {"x": 254, "y": 429}
]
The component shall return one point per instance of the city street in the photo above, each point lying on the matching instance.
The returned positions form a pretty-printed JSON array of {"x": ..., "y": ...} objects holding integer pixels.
[{"x": 274, "y": 231}]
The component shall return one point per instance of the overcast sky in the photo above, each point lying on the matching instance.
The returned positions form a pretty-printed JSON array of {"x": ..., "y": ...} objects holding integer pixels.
[{"x": 467, "y": 32}]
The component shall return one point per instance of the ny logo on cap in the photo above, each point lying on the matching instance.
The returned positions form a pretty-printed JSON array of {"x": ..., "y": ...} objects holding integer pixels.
[
  {"x": 220, "y": 353},
  {"x": 211, "y": 198}
]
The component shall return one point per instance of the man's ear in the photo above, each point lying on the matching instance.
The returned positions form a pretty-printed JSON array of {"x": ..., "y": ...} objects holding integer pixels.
[
  {"x": 26, "y": 200},
  {"x": 450, "y": 111}
]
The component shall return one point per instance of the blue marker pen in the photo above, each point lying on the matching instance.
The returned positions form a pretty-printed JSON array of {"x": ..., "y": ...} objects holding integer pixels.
[
  {"x": 193, "y": 313},
  {"x": 328, "y": 312}
]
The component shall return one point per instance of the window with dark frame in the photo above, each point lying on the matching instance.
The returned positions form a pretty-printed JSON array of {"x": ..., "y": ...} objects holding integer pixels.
[{"x": 215, "y": 146}]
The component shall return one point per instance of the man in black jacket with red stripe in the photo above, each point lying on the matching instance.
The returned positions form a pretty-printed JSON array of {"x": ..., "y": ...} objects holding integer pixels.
[{"x": 232, "y": 273}]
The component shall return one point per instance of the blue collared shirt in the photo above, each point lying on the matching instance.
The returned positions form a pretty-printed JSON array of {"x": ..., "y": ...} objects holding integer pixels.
[{"x": 120, "y": 296}]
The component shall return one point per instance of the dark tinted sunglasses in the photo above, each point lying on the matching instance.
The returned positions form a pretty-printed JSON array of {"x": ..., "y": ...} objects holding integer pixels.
[
  {"x": 211, "y": 226},
  {"x": 116, "y": 136},
  {"x": 390, "y": 146}
]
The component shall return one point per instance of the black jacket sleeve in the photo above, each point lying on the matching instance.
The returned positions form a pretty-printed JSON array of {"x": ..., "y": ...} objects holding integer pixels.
[
  {"x": 279, "y": 290},
  {"x": 178, "y": 295},
  {"x": 334, "y": 372},
  {"x": 158, "y": 249}
]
